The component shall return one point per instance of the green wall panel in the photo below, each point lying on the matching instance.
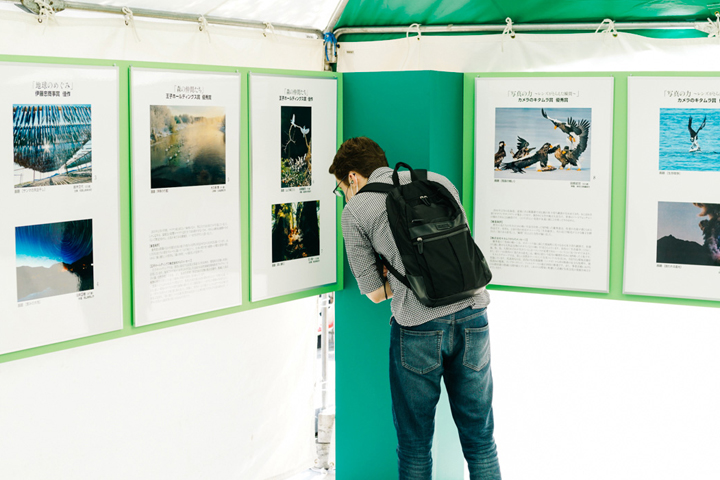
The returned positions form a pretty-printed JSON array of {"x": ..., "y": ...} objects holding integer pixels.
[
  {"x": 416, "y": 117},
  {"x": 126, "y": 200}
]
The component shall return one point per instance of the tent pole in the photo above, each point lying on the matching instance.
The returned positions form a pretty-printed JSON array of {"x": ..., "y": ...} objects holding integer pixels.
[
  {"x": 539, "y": 27},
  {"x": 185, "y": 17},
  {"x": 336, "y": 15}
]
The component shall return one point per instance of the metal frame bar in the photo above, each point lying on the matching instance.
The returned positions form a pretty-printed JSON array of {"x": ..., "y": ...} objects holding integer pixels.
[
  {"x": 539, "y": 27},
  {"x": 186, "y": 17},
  {"x": 336, "y": 15}
]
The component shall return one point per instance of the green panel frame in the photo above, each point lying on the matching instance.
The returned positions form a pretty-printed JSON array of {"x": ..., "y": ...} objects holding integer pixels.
[
  {"x": 126, "y": 198},
  {"x": 619, "y": 179}
]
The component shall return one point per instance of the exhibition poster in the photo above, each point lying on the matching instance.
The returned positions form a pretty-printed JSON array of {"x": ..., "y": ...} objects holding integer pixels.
[
  {"x": 542, "y": 205},
  {"x": 673, "y": 200},
  {"x": 186, "y": 192},
  {"x": 60, "y": 266},
  {"x": 293, "y": 137}
]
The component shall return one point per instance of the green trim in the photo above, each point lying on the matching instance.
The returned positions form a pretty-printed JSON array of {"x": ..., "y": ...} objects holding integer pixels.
[
  {"x": 126, "y": 199},
  {"x": 618, "y": 187}
]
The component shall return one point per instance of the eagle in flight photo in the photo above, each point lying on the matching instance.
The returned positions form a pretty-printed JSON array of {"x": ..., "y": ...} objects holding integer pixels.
[
  {"x": 695, "y": 147},
  {"x": 569, "y": 127}
]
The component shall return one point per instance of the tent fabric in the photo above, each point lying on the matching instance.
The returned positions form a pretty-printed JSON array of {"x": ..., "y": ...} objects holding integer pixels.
[
  {"x": 532, "y": 53},
  {"x": 444, "y": 12},
  {"x": 153, "y": 41},
  {"x": 370, "y": 13},
  {"x": 308, "y": 13}
]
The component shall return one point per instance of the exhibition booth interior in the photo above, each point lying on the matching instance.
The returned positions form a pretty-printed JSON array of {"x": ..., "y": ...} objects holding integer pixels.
[{"x": 169, "y": 231}]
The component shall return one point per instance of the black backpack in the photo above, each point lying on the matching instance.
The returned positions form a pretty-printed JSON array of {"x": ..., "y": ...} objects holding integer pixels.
[{"x": 443, "y": 265}]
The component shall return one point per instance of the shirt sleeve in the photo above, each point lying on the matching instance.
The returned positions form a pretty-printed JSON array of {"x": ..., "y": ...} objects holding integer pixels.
[{"x": 361, "y": 255}]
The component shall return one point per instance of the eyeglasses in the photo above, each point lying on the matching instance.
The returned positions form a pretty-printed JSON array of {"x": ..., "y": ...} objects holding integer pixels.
[{"x": 337, "y": 191}]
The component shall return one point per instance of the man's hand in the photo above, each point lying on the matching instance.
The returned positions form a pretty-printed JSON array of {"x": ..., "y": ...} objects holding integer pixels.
[{"x": 382, "y": 293}]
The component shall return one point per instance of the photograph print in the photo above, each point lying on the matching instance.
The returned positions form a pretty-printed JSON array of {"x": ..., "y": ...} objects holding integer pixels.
[
  {"x": 295, "y": 230},
  {"x": 52, "y": 145},
  {"x": 688, "y": 233},
  {"x": 543, "y": 143},
  {"x": 295, "y": 146},
  {"x": 689, "y": 139},
  {"x": 187, "y": 146},
  {"x": 53, "y": 259}
]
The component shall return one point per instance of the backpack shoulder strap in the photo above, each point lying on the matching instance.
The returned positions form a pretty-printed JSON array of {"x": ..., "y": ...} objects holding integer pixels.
[{"x": 377, "y": 187}]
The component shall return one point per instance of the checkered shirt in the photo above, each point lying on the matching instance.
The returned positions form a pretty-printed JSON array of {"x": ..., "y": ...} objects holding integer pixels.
[{"x": 366, "y": 228}]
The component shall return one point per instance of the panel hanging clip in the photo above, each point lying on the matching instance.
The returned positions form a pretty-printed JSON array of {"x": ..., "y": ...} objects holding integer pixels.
[
  {"x": 508, "y": 30},
  {"x": 417, "y": 30},
  {"x": 712, "y": 28},
  {"x": 610, "y": 27},
  {"x": 203, "y": 26},
  {"x": 45, "y": 10},
  {"x": 130, "y": 21}
]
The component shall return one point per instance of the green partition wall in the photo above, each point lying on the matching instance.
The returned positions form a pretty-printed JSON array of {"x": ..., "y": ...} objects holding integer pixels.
[
  {"x": 126, "y": 198},
  {"x": 416, "y": 117},
  {"x": 619, "y": 179}
]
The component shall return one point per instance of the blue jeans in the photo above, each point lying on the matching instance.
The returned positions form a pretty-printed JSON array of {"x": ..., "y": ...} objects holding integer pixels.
[{"x": 456, "y": 347}]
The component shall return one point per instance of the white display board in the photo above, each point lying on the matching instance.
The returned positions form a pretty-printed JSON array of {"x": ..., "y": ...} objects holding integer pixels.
[
  {"x": 673, "y": 199},
  {"x": 186, "y": 192},
  {"x": 293, "y": 135},
  {"x": 60, "y": 276},
  {"x": 542, "y": 205}
]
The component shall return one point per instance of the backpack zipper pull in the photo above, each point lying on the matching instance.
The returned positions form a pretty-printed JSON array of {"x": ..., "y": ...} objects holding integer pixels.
[
  {"x": 420, "y": 245},
  {"x": 425, "y": 200}
]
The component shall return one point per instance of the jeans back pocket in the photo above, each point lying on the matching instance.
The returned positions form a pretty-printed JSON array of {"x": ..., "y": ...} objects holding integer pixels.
[
  {"x": 477, "y": 348},
  {"x": 420, "y": 351}
]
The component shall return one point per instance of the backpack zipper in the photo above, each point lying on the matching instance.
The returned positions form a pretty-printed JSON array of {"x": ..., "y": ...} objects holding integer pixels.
[{"x": 437, "y": 236}]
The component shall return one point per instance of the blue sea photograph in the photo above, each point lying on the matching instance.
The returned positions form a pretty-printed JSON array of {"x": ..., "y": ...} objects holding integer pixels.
[
  {"x": 566, "y": 154},
  {"x": 678, "y": 128},
  {"x": 54, "y": 259}
]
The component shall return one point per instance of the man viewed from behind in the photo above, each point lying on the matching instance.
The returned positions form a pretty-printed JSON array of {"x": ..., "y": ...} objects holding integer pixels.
[{"x": 427, "y": 343}]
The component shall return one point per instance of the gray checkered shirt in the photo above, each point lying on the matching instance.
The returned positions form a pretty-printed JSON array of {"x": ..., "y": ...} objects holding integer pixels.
[{"x": 366, "y": 228}]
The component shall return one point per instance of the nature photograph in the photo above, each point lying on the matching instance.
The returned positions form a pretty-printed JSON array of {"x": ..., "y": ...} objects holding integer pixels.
[
  {"x": 689, "y": 139},
  {"x": 52, "y": 145},
  {"x": 53, "y": 259},
  {"x": 295, "y": 146},
  {"x": 187, "y": 146},
  {"x": 542, "y": 143},
  {"x": 688, "y": 233},
  {"x": 295, "y": 230}
]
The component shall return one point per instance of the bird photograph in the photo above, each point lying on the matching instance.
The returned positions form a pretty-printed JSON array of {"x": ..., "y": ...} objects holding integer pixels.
[
  {"x": 544, "y": 145},
  {"x": 500, "y": 155},
  {"x": 569, "y": 127},
  {"x": 694, "y": 146},
  {"x": 689, "y": 139}
]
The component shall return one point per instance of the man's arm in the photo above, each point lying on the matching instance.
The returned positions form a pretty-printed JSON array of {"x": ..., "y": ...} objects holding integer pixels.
[{"x": 381, "y": 294}]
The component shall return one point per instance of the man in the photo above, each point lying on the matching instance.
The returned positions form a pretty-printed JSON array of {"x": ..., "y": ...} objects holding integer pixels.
[{"x": 426, "y": 343}]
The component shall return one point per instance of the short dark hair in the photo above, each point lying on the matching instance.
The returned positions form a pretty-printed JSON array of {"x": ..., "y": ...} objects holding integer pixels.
[{"x": 359, "y": 154}]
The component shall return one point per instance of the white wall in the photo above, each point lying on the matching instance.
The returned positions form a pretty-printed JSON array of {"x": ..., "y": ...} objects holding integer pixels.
[
  {"x": 598, "y": 389},
  {"x": 226, "y": 398}
]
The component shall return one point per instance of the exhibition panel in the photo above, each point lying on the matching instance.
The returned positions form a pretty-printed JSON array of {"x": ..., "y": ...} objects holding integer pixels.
[
  {"x": 186, "y": 193},
  {"x": 673, "y": 201},
  {"x": 293, "y": 135},
  {"x": 542, "y": 207},
  {"x": 60, "y": 234}
]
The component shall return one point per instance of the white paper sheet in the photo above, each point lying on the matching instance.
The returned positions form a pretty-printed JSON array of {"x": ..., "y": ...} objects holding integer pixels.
[
  {"x": 549, "y": 228},
  {"x": 186, "y": 193},
  {"x": 60, "y": 232},
  {"x": 673, "y": 200},
  {"x": 293, "y": 133}
]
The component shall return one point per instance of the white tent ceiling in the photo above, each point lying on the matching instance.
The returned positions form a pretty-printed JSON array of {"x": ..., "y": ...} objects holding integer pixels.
[{"x": 313, "y": 14}]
